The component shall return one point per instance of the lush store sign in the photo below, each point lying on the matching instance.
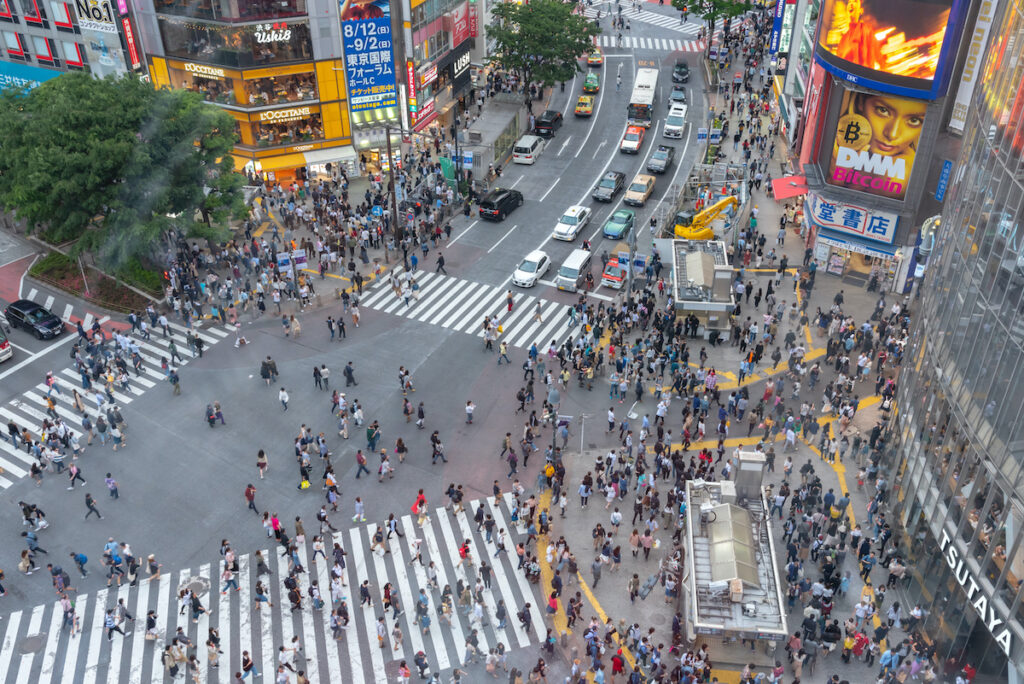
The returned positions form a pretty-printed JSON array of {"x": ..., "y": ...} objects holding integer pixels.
[{"x": 982, "y": 603}]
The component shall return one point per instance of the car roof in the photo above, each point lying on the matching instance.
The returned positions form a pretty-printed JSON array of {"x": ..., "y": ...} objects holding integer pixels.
[
  {"x": 643, "y": 177},
  {"x": 549, "y": 114},
  {"x": 677, "y": 109},
  {"x": 665, "y": 147},
  {"x": 682, "y": 62},
  {"x": 24, "y": 305},
  {"x": 623, "y": 212},
  {"x": 634, "y": 129},
  {"x": 536, "y": 255}
]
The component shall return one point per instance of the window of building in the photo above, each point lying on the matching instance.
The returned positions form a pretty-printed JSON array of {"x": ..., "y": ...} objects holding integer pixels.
[
  {"x": 14, "y": 45},
  {"x": 43, "y": 50},
  {"x": 72, "y": 53},
  {"x": 236, "y": 46},
  {"x": 5, "y": 10},
  {"x": 242, "y": 10},
  {"x": 30, "y": 10},
  {"x": 281, "y": 89},
  {"x": 272, "y": 133},
  {"x": 61, "y": 14}
]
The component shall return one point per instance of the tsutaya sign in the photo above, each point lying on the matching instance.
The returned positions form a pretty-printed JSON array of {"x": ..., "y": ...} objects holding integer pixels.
[{"x": 983, "y": 604}]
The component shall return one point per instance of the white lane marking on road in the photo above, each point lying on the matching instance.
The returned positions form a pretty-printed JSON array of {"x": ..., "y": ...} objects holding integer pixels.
[
  {"x": 597, "y": 150},
  {"x": 545, "y": 195},
  {"x": 517, "y": 181},
  {"x": 308, "y": 629},
  {"x": 139, "y": 637},
  {"x": 564, "y": 145},
  {"x": 568, "y": 102},
  {"x": 49, "y": 302},
  {"x": 95, "y": 634},
  {"x": 593, "y": 118},
  {"x": 67, "y": 312},
  {"x": 52, "y": 642},
  {"x": 32, "y": 294},
  {"x": 24, "y": 362},
  {"x": 368, "y": 611},
  {"x": 495, "y": 245},
  {"x": 434, "y": 628},
  {"x": 117, "y": 644},
  {"x": 459, "y": 236},
  {"x": 34, "y": 623}
]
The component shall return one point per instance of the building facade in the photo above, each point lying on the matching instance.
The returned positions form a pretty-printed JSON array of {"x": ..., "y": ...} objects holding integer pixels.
[
  {"x": 43, "y": 39},
  {"x": 958, "y": 469}
]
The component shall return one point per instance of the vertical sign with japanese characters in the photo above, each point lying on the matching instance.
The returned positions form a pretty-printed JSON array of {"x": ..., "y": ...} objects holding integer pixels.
[
  {"x": 369, "y": 54},
  {"x": 879, "y": 226}
]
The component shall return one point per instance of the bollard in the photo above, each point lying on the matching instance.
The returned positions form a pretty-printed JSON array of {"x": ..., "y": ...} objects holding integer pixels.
[{"x": 565, "y": 639}]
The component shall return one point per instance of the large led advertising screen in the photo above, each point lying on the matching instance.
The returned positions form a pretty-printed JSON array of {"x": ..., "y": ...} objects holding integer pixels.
[
  {"x": 898, "y": 46},
  {"x": 876, "y": 143}
]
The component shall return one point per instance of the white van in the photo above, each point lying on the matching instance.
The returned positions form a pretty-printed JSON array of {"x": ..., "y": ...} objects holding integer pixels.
[
  {"x": 527, "y": 149},
  {"x": 573, "y": 270},
  {"x": 675, "y": 122}
]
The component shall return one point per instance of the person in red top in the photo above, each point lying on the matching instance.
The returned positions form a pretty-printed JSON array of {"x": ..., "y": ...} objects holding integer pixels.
[
  {"x": 420, "y": 503},
  {"x": 969, "y": 672}
]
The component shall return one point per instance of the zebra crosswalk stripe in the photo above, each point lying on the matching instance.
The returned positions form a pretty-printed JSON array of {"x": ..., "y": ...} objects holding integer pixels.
[
  {"x": 27, "y": 411},
  {"x": 91, "y": 657}
]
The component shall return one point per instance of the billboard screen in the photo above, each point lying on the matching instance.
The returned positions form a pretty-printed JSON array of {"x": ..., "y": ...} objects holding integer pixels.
[
  {"x": 876, "y": 143},
  {"x": 897, "y": 46},
  {"x": 369, "y": 54}
]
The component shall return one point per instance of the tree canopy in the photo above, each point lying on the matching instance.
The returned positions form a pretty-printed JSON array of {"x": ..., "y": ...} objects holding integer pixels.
[
  {"x": 542, "y": 40},
  {"x": 114, "y": 163},
  {"x": 712, "y": 10}
]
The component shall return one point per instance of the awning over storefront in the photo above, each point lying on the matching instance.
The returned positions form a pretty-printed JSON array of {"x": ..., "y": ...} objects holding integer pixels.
[
  {"x": 854, "y": 244},
  {"x": 341, "y": 153},
  {"x": 789, "y": 186}
]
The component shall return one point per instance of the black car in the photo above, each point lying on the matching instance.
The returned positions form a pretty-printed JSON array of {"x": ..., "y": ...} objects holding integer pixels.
[
  {"x": 34, "y": 318},
  {"x": 609, "y": 186},
  {"x": 661, "y": 159},
  {"x": 547, "y": 123},
  {"x": 677, "y": 96},
  {"x": 681, "y": 73},
  {"x": 499, "y": 203}
]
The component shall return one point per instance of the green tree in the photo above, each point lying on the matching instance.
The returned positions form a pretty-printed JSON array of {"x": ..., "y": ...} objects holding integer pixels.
[
  {"x": 711, "y": 11},
  {"x": 114, "y": 164},
  {"x": 541, "y": 40}
]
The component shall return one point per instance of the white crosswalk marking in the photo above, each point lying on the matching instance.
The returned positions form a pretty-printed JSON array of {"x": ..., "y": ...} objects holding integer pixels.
[
  {"x": 462, "y": 305},
  {"x": 29, "y": 410},
  {"x": 670, "y": 22},
  {"x": 660, "y": 44},
  {"x": 132, "y": 658},
  {"x": 49, "y": 302}
]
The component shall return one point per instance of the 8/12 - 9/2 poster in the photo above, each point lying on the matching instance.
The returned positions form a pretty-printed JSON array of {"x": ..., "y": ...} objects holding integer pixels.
[{"x": 369, "y": 54}]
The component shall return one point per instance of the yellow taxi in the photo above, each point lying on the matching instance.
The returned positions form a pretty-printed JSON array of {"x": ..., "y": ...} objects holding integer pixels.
[
  {"x": 595, "y": 58},
  {"x": 585, "y": 105},
  {"x": 639, "y": 190}
]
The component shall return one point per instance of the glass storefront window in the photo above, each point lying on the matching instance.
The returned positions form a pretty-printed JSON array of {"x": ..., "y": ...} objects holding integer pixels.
[
  {"x": 271, "y": 133},
  {"x": 233, "y": 10},
  {"x": 236, "y": 46},
  {"x": 281, "y": 89},
  {"x": 213, "y": 87}
]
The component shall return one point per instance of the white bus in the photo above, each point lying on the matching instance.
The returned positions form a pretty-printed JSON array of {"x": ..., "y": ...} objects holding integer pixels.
[{"x": 641, "y": 102}]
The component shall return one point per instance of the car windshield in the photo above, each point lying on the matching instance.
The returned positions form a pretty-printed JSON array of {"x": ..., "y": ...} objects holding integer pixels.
[
  {"x": 528, "y": 266},
  {"x": 37, "y": 315},
  {"x": 661, "y": 154},
  {"x": 617, "y": 218},
  {"x": 675, "y": 120},
  {"x": 607, "y": 183},
  {"x": 569, "y": 220},
  {"x": 638, "y": 187},
  {"x": 632, "y": 137}
]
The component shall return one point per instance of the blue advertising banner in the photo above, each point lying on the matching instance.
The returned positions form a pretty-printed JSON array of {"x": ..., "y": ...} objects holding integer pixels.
[
  {"x": 369, "y": 54},
  {"x": 17, "y": 75},
  {"x": 780, "y": 10}
]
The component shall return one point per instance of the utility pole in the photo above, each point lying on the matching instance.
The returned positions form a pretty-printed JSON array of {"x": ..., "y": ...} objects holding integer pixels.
[{"x": 399, "y": 233}]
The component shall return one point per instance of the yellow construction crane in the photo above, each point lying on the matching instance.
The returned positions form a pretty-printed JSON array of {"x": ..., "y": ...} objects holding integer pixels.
[{"x": 691, "y": 225}]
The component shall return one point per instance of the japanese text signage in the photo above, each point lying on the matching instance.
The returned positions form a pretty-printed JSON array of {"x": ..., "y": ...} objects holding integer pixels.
[
  {"x": 95, "y": 16},
  {"x": 129, "y": 38},
  {"x": 876, "y": 143},
  {"x": 369, "y": 54},
  {"x": 780, "y": 10},
  {"x": 879, "y": 226},
  {"x": 459, "y": 18}
]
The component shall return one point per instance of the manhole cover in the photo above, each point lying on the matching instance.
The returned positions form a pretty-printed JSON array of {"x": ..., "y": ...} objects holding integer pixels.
[
  {"x": 591, "y": 445},
  {"x": 658, "y": 619},
  {"x": 33, "y": 643},
  {"x": 198, "y": 585}
]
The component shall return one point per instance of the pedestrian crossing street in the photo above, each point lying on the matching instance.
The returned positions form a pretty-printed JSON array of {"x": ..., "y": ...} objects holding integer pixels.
[
  {"x": 664, "y": 45},
  {"x": 37, "y": 648},
  {"x": 29, "y": 410},
  {"x": 670, "y": 22},
  {"x": 461, "y": 305}
]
